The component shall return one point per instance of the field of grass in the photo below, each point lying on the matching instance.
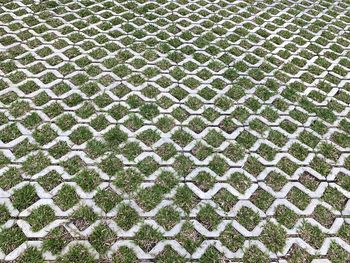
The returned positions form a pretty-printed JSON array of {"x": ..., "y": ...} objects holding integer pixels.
[{"x": 174, "y": 131}]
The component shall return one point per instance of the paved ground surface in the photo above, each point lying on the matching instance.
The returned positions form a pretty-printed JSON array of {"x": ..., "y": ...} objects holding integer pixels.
[{"x": 174, "y": 131}]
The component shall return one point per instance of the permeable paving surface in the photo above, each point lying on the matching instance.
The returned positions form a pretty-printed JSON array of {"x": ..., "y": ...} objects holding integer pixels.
[{"x": 174, "y": 131}]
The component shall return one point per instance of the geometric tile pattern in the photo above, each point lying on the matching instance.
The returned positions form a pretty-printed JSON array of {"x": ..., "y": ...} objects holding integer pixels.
[{"x": 174, "y": 131}]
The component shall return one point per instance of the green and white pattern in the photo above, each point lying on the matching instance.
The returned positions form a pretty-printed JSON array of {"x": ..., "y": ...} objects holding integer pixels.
[{"x": 174, "y": 131}]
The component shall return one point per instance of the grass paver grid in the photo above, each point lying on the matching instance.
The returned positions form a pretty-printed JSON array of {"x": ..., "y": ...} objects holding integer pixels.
[{"x": 174, "y": 131}]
